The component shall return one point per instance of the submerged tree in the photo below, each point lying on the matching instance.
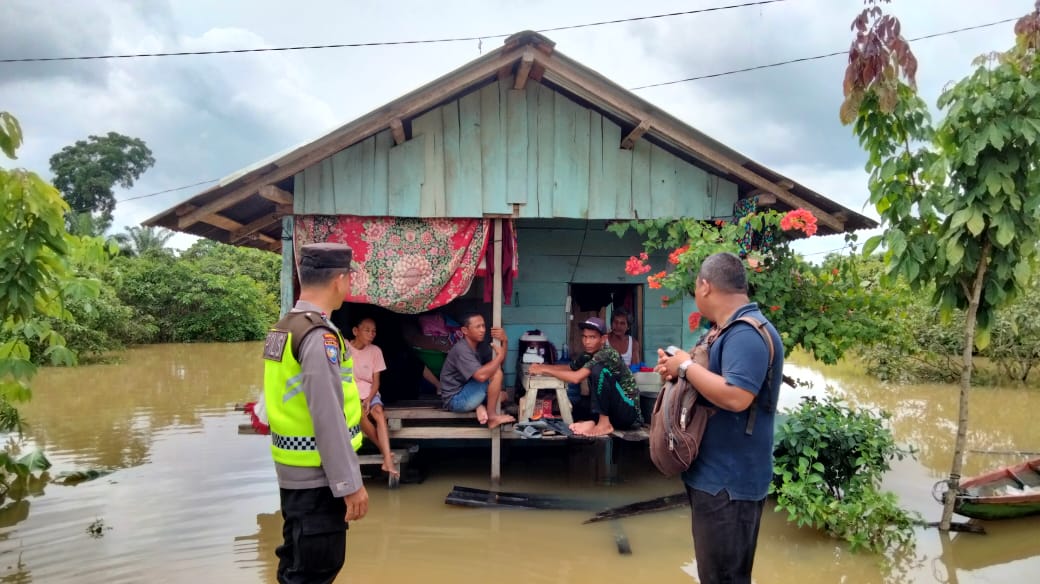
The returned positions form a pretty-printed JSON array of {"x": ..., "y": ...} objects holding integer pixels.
[
  {"x": 959, "y": 202},
  {"x": 86, "y": 172}
]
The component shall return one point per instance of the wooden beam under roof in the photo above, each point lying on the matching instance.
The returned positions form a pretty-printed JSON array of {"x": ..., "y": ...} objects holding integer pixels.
[
  {"x": 764, "y": 198},
  {"x": 276, "y": 195},
  {"x": 261, "y": 223},
  {"x": 629, "y": 142},
  {"x": 358, "y": 130},
  {"x": 397, "y": 130},
  {"x": 595, "y": 90},
  {"x": 523, "y": 71},
  {"x": 229, "y": 225}
]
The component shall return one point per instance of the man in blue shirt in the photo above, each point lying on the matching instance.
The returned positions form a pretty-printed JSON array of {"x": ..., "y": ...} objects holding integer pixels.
[{"x": 728, "y": 482}]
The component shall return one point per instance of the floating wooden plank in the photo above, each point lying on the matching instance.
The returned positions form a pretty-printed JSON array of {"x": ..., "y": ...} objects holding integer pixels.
[
  {"x": 397, "y": 131},
  {"x": 630, "y": 140},
  {"x": 276, "y": 195},
  {"x": 640, "y": 507},
  {"x": 470, "y": 497}
]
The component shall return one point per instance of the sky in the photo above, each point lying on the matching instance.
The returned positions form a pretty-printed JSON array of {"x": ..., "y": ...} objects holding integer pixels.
[{"x": 205, "y": 117}]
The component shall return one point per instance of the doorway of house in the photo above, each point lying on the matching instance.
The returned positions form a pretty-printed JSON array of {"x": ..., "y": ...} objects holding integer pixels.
[{"x": 604, "y": 301}]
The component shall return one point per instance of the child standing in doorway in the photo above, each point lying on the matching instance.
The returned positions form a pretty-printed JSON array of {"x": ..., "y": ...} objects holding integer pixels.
[{"x": 368, "y": 363}]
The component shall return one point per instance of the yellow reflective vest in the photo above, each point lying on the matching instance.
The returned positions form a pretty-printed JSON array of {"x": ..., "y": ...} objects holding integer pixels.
[{"x": 292, "y": 430}]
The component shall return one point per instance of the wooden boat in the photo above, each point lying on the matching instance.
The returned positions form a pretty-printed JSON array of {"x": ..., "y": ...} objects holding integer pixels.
[{"x": 1012, "y": 491}]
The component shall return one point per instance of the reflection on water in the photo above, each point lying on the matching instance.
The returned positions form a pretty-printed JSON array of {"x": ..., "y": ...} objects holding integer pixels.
[{"x": 192, "y": 501}]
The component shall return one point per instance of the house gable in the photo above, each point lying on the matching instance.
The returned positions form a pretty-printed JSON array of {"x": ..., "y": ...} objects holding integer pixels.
[{"x": 532, "y": 153}]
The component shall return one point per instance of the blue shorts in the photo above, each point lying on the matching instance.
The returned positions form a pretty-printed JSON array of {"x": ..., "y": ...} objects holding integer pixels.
[
  {"x": 468, "y": 398},
  {"x": 376, "y": 401}
]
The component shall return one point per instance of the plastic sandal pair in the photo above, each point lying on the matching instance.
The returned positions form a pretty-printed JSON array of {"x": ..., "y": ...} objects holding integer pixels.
[{"x": 528, "y": 431}]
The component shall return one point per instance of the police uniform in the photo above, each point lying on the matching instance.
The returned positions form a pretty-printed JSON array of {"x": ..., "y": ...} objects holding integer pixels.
[{"x": 315, "y": 414}]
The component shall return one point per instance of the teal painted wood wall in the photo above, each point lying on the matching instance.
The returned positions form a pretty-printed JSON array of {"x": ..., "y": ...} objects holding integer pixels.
[
  {"x": 497, "y": 147},
  {"x": 549, "y": 261}
]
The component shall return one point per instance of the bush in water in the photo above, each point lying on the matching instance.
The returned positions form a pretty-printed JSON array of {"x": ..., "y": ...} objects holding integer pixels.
[{"x": 829, "y": 461}]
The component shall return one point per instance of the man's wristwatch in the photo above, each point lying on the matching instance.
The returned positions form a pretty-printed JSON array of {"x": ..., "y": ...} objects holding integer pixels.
[{"x": 683, "y": 367}]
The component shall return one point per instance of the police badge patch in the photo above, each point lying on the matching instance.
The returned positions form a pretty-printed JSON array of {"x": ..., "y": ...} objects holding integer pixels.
[
  {"x": 274, "y": 345},
  {"x": 331, "y": 348}
]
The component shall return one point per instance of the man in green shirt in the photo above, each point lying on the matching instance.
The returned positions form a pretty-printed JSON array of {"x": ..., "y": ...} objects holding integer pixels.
[{"x": 613, "y": 390}]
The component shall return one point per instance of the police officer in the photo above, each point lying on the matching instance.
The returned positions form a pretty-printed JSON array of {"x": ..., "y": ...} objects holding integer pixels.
[{"x": 315, "y": 415}]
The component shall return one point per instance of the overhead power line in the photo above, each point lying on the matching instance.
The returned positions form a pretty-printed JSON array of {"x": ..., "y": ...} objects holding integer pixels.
[
  {"x": 157, "y": 193},
  {"x": 720, "y": 74},
  {"x": 384, "y": 43},
  {"x": 814, "y": 58}
]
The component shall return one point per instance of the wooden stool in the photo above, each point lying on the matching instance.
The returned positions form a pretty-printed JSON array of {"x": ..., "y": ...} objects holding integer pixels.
[{"x": 535, "y": 382}]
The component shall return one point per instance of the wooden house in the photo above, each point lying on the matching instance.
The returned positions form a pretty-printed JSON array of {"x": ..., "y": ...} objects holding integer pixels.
[{"x": 522, "y": 135}]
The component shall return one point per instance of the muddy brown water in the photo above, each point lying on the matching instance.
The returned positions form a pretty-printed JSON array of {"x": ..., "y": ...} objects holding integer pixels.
[{"x": 190, "y": 500}]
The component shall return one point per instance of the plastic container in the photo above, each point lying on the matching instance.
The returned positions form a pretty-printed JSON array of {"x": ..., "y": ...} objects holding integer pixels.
[
  {"x": 649, "y": 384},
  {"x": 434, "y": 360},
  {"x": 535, "y": 344}
]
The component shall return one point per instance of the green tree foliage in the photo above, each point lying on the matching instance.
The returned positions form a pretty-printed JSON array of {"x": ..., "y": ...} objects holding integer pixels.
[
  {"x": 960, "y": 202},
  {"x": 1015, "y": 342},
  {"x": 828, "y": 463},
  {"x": 824, "y": 310},
  {"x": 86, "y": 172},
  {"x": 186, "y": 303},
  {"x": 263, "y": 267},
  {"x": 35, "y": 285},
  {"x": 37, "y": 280},
  {"x": 139, "y": 240}
]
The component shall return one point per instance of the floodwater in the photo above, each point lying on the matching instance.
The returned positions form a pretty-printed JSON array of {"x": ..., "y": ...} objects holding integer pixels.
[{"x": 191, "y": 500}]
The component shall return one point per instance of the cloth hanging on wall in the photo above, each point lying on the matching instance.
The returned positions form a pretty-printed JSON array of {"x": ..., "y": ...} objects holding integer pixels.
[
  {"x": 408, "y": 265},
  {"x": 510, "y": 262}
]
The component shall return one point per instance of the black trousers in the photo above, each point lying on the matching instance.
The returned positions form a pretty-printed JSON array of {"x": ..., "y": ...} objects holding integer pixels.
[
  {"x": 725, "y": 535},
  {"x": 607, "y": 397},
  {"x": 314, "y": 535}
]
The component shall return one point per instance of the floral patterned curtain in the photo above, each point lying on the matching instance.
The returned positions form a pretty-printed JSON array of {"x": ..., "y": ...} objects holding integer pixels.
[{"x": 407, "y": 265}]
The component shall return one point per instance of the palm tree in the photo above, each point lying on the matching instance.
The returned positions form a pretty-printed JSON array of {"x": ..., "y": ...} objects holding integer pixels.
[{"x": 137, "y": 240}]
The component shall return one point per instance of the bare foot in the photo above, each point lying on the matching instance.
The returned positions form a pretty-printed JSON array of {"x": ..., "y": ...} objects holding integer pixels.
[
  {"x": 499, "y": 419},
  {"x": 581, "y": 428},
  {"x": 482, "y": 415},
  {"x": 390, "y": 468},
  {"x": 600, "y": 429}
]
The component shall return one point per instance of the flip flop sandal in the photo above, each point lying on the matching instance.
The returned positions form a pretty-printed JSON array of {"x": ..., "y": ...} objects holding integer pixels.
[
  {"x": 528, "y": 432},
  {"x": 540, "y": 424}
]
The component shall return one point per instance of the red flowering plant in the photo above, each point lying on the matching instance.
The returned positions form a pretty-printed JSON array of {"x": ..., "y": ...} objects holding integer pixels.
[{"x": 790, "y": 290}]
